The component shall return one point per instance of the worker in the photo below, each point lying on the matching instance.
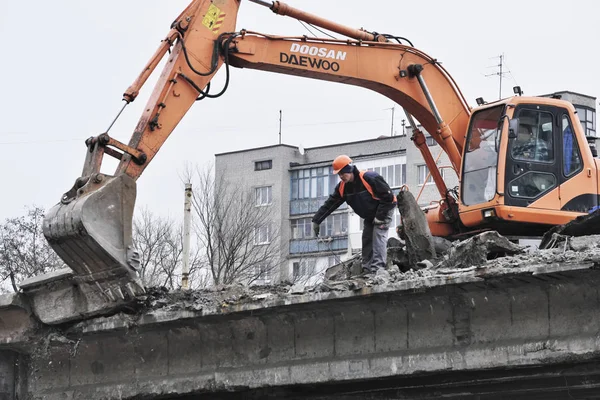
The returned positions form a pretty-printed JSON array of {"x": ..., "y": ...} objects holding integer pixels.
[{"x": 371, "y": 198}]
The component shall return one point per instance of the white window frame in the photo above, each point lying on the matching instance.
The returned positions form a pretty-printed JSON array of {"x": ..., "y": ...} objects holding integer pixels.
[
  {"x": 260, "y": 193},
  {"x": 394, "y": 176},
  {"x": 262, "y": 273},
  {"x": 259, "y": 232},
  {"x": 421, "y": 177},
  {"x": 306, "y": 268}
]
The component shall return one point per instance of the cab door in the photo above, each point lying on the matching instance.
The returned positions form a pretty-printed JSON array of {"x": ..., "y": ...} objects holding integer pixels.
[
  {"x": 533, "y": 161},
  {"x": 578, "y": 180}
]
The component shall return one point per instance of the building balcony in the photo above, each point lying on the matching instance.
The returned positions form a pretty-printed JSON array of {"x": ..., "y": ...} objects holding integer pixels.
[
  {"x": 309, "y": 206},
  {"x": 301, "y": 246}
]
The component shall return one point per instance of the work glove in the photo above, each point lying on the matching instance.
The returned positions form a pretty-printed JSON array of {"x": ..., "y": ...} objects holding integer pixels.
[
  {"x": 379, "y": 223},
  {"x": 316, "y": 228}
]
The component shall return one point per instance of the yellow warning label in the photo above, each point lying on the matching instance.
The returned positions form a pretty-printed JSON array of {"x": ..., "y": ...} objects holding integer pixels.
[{"x": 211, "y": 17}]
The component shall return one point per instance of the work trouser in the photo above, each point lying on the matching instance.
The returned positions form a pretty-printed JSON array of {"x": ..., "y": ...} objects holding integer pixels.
[{"x": 374, "y": 247}]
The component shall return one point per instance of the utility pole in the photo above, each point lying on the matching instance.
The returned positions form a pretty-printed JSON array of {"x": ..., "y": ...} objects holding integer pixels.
[
  {"x": 187, "y": 217},
  {"x": 279, "y": 126},
  {"x": 392, "y": 128},
  {"x": 500, "y": 72}
]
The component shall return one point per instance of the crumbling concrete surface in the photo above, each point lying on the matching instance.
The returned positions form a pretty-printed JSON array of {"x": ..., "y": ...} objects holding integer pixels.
[
  {"x": 478, "y": 249},
  {"x": 485, "y": 255},
  {"x": 419, "y": 243},
  {"x": 584, "y": 225},
  {"x": 61, "y": 296}
]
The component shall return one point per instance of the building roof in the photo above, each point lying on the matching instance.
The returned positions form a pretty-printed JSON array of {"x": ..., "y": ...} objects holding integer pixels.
[
  {"x": 257, "y": 148},
  {"x": 568, "y": 92},
  {"x": 312, "y": 148},
  {"x": 355, "y": 142}
]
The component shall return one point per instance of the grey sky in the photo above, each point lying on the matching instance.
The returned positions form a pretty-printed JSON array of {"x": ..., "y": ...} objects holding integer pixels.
[{"x": 66, "y": 63}]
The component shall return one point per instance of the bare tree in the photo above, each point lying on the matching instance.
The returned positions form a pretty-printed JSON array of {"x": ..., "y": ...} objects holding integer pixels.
[
  {"x": 24, "y": 251},
  {"x": 160, "y": 243},
  {"x": 239, "y": 237}
]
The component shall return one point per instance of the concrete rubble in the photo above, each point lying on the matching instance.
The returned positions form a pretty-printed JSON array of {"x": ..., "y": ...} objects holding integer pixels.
[{"x": 487, "y": 254}]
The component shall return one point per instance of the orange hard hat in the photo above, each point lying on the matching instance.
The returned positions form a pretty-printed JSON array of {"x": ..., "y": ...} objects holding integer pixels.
[{"x": 340, "y": 162}]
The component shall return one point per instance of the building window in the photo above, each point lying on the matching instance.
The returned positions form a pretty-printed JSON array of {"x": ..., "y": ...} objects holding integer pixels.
[
  {"x": 262, "y": 274},
  {"x": 263, "y": 195},
  {"x": 334, "y": 225},
  {"x": 312, "y": 183},
  {"x": 396, "y": 221},
  {"x": 333, "y": 260},
  {"x": 430, "y": 141},
  {"x": 262, "y": 234},
  {"x": 394, "y": 175},
  {"x": 587, "y": 117},
  {"x": 423, "y": 171},
  {"x": 262, "y": 165},
  {"x": 302, "y": 228},
  {"x": 304, "y": 268}
]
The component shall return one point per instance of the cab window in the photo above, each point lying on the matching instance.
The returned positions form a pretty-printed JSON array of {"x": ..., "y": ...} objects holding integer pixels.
[
  {"x": 532, "y": 184},
  {"x": 571, "y": 154},
  {"x": 534, "y": 138}
]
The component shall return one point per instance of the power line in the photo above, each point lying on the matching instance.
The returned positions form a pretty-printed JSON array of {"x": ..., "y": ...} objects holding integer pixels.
[
  {"x": 216, "y": 129},
  {"x": 323, "y": 32},
  {"x": 306, "y": 27},
  {"x": 43, "y": 141},
  {"x": 337, "y": 122},
  {"x": 511, "y": 74}
]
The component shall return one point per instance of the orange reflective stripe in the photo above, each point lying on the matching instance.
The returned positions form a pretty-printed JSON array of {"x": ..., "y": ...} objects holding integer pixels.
[{"x": 365, "y": 184}]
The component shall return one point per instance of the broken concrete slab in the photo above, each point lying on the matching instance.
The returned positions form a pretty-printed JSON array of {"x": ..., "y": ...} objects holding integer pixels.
[
  {"x": 478, "y": 249},
  {"x": 584, "y": 243},
  {"x": 584, "y": 225},
  {"x": 60, "y": 296},
  {"x": 345, "y": 269},
  {"x": 417, "y": 236},
  {"x": 17, "y": 325},
  {"x": 579, "y": 243}
]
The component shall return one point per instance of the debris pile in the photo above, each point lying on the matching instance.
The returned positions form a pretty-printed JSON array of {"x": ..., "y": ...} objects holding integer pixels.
[
  {"x": 486, "y": 254},
  {"x": 489, "y": 253}
]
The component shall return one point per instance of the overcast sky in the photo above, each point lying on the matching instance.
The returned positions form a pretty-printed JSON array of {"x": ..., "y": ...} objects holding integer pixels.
[{"x": 66, "y": 63}]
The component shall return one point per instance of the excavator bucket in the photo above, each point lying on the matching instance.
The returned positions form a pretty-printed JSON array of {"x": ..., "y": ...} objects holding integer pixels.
[{"x": 92, "y": 233}]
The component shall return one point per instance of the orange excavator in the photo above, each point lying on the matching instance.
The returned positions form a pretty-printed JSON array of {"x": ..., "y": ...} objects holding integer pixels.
[{"x": 524, "y": 162}]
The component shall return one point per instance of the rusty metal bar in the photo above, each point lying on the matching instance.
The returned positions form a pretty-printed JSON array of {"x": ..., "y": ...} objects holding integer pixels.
[{"x": 282, "y": 8}]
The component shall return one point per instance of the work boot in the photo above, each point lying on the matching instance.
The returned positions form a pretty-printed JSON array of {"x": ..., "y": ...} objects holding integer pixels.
[{"x": 368, "y": 271}]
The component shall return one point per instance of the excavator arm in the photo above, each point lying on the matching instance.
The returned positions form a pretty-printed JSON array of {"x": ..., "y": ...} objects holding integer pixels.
[{"x": 91, "y": 227}]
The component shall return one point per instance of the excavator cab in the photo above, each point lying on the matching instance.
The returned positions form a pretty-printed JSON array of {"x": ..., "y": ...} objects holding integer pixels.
[{"x": 531, "y": 158}]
